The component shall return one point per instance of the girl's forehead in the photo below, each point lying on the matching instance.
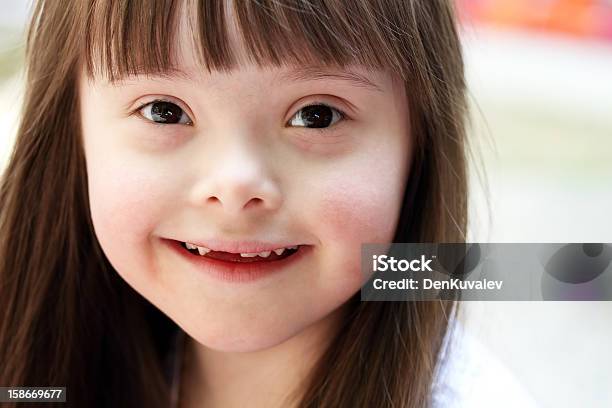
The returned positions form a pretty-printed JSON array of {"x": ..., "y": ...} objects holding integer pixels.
[
  {"x": 265, "y": 80},
  {"x": 189, "y": 67},
  {"x": 185, "y": 64},
  {"x": 193, "y": 38},
  {"x": 354, "y": 75}
]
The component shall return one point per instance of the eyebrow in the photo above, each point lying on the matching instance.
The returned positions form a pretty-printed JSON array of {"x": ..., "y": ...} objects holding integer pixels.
[
  {"x": 297, "y": 74},
  {"x": 304, "y": 74}
]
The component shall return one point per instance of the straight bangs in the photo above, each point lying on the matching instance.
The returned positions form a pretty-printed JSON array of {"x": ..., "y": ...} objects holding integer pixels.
[{"x": 137, "y": 37}]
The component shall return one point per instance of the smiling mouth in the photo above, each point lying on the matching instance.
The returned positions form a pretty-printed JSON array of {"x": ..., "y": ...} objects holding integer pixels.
[{"x": 261, "y": 257}]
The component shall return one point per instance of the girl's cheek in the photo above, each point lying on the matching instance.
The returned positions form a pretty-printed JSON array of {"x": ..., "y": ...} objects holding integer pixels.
[
  {"x": 357, "y": 210},
  {"x": 126, "y": 206}
]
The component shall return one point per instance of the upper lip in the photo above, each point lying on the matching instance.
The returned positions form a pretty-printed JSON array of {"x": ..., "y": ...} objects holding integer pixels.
[{"x": 238, "y": 247}]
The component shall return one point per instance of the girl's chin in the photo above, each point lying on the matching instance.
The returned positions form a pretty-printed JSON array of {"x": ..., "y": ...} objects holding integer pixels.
[{"x": 242, "y": 342}]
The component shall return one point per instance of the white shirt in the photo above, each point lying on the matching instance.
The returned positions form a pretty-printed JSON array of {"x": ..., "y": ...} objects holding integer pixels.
[{"x": 474, "y": 377}]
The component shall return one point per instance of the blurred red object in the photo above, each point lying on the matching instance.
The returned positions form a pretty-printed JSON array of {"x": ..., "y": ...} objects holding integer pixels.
[{"x": 581, "y": 18}]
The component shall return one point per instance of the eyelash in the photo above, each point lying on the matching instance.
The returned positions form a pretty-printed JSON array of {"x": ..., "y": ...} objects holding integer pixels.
[
  {"x": 159, "y": 124},
  {"x": 328, "y": 129},
  {"x": 343, "y": 116}
]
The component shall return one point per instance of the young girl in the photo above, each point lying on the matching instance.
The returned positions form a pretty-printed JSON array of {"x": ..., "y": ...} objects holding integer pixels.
[{"x": 183, "y": 212}]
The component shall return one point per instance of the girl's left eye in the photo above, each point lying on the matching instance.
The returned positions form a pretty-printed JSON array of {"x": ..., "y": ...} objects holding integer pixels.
[
  {"x": 316, "y": 116},
  {"x": 164, "y": 112}
]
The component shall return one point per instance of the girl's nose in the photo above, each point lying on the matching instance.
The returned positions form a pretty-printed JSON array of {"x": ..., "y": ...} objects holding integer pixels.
[{"x": 238, "y": 180}]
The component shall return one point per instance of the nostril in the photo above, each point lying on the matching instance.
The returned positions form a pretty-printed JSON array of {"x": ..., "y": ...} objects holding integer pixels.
[{"x": 254, "y": 202}]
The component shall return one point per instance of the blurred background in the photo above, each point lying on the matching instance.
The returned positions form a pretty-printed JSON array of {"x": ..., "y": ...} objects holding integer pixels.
[
  {"x": 540, "y": 82},
  {"x": 540, "y": 78}
]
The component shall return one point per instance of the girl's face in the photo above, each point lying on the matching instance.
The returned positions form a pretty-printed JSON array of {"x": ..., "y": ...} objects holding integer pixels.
[{"x": 238, "y": 157}]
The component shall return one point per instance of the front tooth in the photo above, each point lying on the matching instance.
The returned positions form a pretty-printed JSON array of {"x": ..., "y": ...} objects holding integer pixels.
[
  {"x": 248, "y": 255},
  {"x": 265, "y": 254},
  {"x": 190, "y": 246},
  {"x": 203, "y": 251},
  {"x": 279, "y": 251}
]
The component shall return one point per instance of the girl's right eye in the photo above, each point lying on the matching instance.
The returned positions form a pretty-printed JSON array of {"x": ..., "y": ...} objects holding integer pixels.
[{"x": 164, "y": 112}]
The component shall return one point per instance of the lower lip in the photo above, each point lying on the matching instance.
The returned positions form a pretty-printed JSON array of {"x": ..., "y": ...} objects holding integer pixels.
[{"x": 237, "y": 272}]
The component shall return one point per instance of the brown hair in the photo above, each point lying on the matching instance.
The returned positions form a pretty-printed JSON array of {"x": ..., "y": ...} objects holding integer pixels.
[{"x": 68, "y": 319}]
